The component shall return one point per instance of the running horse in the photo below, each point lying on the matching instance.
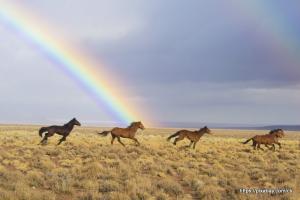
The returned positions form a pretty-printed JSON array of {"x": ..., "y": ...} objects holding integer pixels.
[
  {"x": 64, "y": 130},
  {"x": 193, "y": 136},
  {"x": 268, "y": 139},
  {"x": 128, "y": 132}
]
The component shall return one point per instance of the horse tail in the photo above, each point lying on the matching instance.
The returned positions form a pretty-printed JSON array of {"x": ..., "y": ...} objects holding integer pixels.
[
  {"x": 174, "y": 135},
  {"x": 104, "y": 133},
  {"x": 247, "y": 141},
  {"x": 42, "y": 130}
]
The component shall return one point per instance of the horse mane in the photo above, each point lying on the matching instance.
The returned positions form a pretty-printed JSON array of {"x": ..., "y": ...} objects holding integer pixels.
[
  {"x": 69, "y": 122},
  {"x": 132, "y": 124},
  {"x": 201, "y": 129},
  {"x": 205, "y": 127},
  {"x": 275, "y": 130}
]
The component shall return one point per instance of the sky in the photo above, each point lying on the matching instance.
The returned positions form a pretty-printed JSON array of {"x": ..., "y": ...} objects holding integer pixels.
[{"x": 231, "y": 62}]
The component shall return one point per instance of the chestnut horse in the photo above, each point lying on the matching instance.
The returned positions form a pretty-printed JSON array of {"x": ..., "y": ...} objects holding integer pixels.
[
  {"x": 193, "y": 136},
  {"x": 128, "y": 132},
  {"x": 268, "y": 139},
  {"x": 64, "y": 130}
]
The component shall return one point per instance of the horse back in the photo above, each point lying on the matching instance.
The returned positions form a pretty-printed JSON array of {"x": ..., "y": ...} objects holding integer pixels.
[
  {"x": 117, "y": 130},
  {"x": 188, "y": 133},
  {"x": 123, "y": 132},
  {"x": 182, "y": 132},
  {"x": 57, "y": 129},
  {"x": 265, "y": 139}
]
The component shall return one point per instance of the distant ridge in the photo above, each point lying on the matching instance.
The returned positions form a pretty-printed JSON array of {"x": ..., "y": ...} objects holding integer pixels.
[
  {"x": 191, "y": 125},
  {"x": 284, "y": 127},
  {"x": 228, "y": 126}
]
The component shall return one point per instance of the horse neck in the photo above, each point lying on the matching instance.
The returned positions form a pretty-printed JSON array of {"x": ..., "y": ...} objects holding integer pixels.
[
  {"x": 69, "y": 125},
  {"x": 201, "y": 133},
  {"x": 272, "y": 137},
  {"x": 133, "y": 128}
]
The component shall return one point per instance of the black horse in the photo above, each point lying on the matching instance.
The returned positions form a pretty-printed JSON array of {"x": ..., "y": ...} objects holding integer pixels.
[{"x": 60, "y": 130}]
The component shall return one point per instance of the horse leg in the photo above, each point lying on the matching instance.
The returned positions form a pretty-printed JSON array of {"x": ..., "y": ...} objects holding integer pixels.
[
  {"x": 258, "y": 146},
  {"x": 178, "y": 139},
  {"x": 279, "y": 144},
  {"x": 45, "y": 139},
  {"x": 194, "y": 146},
  {"x": 254, "y": 145},
  {"x": 268, "y": 147},
  {"x": 119, "y": 140},
  {"x": 136, "y": 141},
  {"x": 273, "y": 147},
  {"x": 190, "y": 145},
  {"x": 112, "y": 139},
  {"x": 61, "y": 140}
]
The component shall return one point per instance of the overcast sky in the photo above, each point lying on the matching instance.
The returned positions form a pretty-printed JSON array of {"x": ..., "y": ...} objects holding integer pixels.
[{"x": 185, "y": 61}]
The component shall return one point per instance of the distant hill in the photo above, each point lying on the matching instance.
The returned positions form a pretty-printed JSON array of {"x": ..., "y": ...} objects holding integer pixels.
[
  {"x": 284, "y": 127},
  {"x": 228, "y": 126}
]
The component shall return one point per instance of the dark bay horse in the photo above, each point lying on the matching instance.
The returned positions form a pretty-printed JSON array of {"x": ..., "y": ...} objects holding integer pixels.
[
  {"x": 193, "y": 136},
  {"x": 128, "y": 132},
  {"x": 64, "y": 130},
  {"x": 268, "y": 139}
]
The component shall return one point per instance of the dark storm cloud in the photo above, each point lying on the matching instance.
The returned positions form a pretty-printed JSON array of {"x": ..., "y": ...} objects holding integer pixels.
[
  {"x": 191, "y": 61},
  {"x": 196, "y": 41}
]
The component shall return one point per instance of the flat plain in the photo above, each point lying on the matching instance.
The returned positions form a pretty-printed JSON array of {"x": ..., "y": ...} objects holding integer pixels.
[{"x": 88, "y": 167}]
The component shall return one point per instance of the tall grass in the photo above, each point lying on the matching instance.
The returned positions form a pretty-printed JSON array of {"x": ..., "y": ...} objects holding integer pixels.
[{"x": 87, "y": 167}]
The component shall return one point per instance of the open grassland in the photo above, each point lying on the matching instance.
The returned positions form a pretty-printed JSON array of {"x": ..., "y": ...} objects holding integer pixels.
[{"x": 87, "y": 167}]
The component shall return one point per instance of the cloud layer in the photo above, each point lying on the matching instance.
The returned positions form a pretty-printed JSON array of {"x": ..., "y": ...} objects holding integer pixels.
[{"x": 199, "y": 61}]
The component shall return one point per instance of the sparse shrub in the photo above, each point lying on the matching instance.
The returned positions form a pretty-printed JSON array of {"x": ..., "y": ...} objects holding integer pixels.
[
  {"x": 281, "y": 178},
  {"x": 161, "y": 196},
  {"x": 60, "y": 181},
  {"x": 92, "y": 170},
  {"x": 256, "y": 174},
  {"x": 108, "y": 186},
  {"x": 195, "y": 184},
  {"x": 285, "y": 156},
  {"x": 142, "y": 195},
  {"x": 170, "y": 187},
  {"x": 209, "y": 192},
  {"x": 6, "y": 195},
  {"x": 35, "y": 179},
  {"x": 119, "y": 196}
]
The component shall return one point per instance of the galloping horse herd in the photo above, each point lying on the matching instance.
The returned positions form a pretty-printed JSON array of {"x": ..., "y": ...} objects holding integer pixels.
[{"x": 129, "y": 132}]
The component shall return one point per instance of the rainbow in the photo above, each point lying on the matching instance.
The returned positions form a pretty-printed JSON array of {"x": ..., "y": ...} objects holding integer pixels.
[
  {"x": 266, "y": 18},
  {"x": 82, "y": 69}
]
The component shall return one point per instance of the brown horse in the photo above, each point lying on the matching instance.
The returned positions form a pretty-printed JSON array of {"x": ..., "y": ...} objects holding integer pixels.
[
  {"x": 128, "y": 132},
  {"x": 268, "y": 139},
  {"x": 64, "y": 130},
  {"x": 193, "y": 136}
]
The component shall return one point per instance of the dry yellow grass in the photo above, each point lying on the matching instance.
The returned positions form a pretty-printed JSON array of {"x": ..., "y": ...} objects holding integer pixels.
[{"x": 87, "y": 167}]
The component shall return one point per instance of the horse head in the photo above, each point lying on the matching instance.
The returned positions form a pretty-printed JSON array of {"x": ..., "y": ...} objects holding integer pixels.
[
  {"x": 206, "y": 130},
  {"x": 277, "y": 132},
  {"x": 140, "y": 125},
  {"x": 280, "y": 133},
  {"x": 137, "y": 125},
  {"x": 75, "y": 122}
]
